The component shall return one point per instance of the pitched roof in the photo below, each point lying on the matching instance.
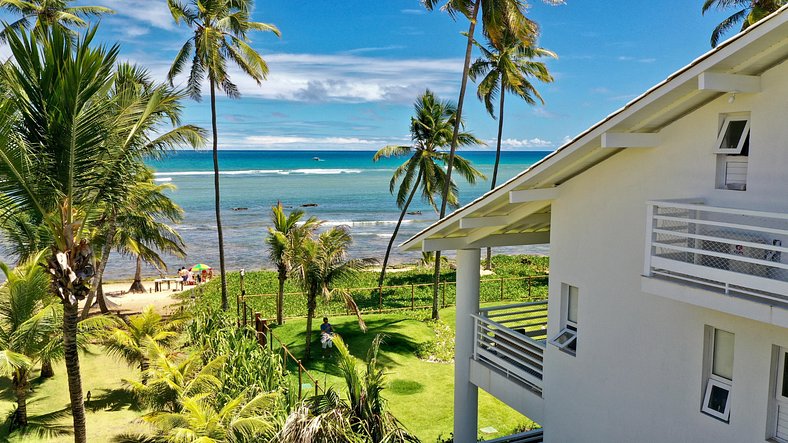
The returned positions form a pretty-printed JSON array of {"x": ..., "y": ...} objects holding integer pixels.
[{"x": 752, "y": 52}]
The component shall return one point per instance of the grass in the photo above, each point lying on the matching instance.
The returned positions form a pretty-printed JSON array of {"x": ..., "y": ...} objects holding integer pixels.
[
  {"x": 111, "y": 410},
  {"x": 420, "y": 294},
  {"x": 420, "y": 393}
]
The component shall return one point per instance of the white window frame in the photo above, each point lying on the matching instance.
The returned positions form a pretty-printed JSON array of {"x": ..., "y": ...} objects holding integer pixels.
[
  {"x": 713, "y": 380},
  {"x": 718, "y": 149},
  {"x": 778, "y": 401},
  {"x": 567, "y": 336}
]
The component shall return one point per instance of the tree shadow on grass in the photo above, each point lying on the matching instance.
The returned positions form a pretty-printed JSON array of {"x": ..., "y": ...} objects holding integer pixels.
[
  {"x": 112, "y": 400},
  {"x": 42, "y": 426}
]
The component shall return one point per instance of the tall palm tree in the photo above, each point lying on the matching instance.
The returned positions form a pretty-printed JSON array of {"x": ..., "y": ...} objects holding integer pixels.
[
  {"x": 430, "y": 130},
  {"x": 321, "y": 263},
  {"x": 748, "y": 13},
  {"x": 60, "y": 161},
  {"x": 284, "y": 241},
  {"x": 48, "y": 13},
  {"x": 499, "y": 17},
  {"x": 362, "y": 417},
  {"x": 508, "y": 68},
  {"x": 221, "y": 36},
  {"x": 132, "y": 341}
]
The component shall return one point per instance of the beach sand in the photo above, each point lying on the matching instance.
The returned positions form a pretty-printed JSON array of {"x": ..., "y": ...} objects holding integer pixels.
[{"x": 131, "y": 303}]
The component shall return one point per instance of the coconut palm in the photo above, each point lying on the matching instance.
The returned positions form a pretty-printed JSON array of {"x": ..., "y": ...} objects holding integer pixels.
[
  {"x": 499, "y": 18},
  {"x": 48, "y": 13},
  {"x": 284, "y": 240},
  {"x": 748, "y": 13},
  {"x": 363, "y": 417},
  {"x": 430, "y": 130},
  {"x": 132, "y": 341},
  {"x": 60, "y": 161},
  {"x": 321, "y": 263},
  {"x": 221, "y": 30},
  {"x": 507, "y": 69}
]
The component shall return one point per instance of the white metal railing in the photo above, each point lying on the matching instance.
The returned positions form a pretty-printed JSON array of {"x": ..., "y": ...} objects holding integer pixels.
[
  {"x": 510, "y": 339},
  {"x": 734, "y": 250}
]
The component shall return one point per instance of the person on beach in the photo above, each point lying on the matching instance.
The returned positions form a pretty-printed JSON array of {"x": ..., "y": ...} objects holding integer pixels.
[
  {"x": 326, "y": 336},
  {"x": 183, "y": 274}
]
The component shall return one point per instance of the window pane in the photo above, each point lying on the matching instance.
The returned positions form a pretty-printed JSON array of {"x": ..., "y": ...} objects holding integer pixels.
[
  {"x": 571, "y": 314},
  {"x": 785, "y": 376},
  {"x": 722, "y": 364},
  {"x": 718, "y": 399},
  {"x": 733, "y": 134}
]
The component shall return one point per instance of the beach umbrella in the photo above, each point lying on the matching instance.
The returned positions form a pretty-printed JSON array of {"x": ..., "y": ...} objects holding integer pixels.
[{"x": 201, "y": 267}]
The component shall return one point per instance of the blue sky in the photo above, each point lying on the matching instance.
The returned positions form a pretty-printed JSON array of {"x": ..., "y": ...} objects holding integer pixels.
[{"x": 344, "y": 74}]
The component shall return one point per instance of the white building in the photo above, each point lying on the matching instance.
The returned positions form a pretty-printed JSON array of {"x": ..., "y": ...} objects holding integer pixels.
[{"x": 668, "y": 297}]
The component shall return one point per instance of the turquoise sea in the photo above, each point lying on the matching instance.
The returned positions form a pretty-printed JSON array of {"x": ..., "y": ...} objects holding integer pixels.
[{"x": 347, "y": 187}]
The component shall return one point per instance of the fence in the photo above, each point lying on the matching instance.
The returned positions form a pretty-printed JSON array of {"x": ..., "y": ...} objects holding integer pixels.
[{"x": 391, "y": 298}]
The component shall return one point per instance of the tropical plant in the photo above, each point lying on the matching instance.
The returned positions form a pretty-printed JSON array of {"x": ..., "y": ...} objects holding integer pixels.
[
  {"x": 430, "y": 130},
  {"x": 48, "y": 13},
  {"x": 284, "y": 241},
  {"x": 132, "y": 341},
  {"x": 507, "y": 68},
  {"x": 60, "y": 161},
  {"x": 321, "y": 263},
  {"x": 499, "y": 18},
  {"x": 221, "y": 29},
  {"x": 363, "y": 417},
  {"x": 748, "y": 13}
]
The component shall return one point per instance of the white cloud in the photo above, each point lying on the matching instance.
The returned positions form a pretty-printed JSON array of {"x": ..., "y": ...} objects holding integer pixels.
[
  {"x": 625, "y": 58},
  {"x": 239, "y": 141},
  {"x": 414, "y": 11},
  {"x": 269, "y": 140},
  {"x": 533, "y": 143},
  {"x": 153, "y": 13},
  {"x": 373, "y": 49}
]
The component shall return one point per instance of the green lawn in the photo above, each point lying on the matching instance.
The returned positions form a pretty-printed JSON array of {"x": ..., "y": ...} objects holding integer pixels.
[
  {"x": 420, "y": 393},
  {"x": 110, "y": 412}
]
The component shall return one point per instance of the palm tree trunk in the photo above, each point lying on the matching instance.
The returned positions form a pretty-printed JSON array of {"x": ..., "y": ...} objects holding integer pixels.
[
  {"x": 280, "y": 299},
  {"x": 217, "y": 198},
  {"x": 47, "y": 371},
  {"x": 95, "y": 290},
  {"x": 488, "y": 263},
  {"x": 70, "y": 317},
  {"x": 450, "y": 163},
  {"x": 396, "y": 230},
  {"x": 137, "y": 285},
  {"x": 144, "y": 365},
  {"x": 311, "y": 305},
  {"x": 20, "y": 389},
  {"x": 100, "y": 296}
]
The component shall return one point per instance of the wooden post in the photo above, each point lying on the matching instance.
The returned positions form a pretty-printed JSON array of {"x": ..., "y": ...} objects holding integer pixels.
[
  {"x": 317, "y": 382},
  {"x": 244, "y": 302},
  {"x": 501, "y": 288},
  {"x": 412, "y": 296},
  {"x": 243, "y": 293},
  {"x": 260, "y": 329},
  {"x": 284, "y": 359},
  {"x": 443, "y": 286},
  {"x": 271, "y": 339},
  {"x": 300, "y": 380}
]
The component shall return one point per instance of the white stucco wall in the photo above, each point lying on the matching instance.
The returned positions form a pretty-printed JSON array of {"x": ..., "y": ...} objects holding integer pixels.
[{"x": 637, "y": 376}]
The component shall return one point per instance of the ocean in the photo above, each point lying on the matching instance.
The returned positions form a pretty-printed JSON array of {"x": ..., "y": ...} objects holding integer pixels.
[{"x": 340, "y": 187}]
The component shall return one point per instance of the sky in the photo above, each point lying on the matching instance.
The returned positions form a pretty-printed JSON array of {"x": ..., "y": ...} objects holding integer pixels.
[{"x": 344, "y": 74}]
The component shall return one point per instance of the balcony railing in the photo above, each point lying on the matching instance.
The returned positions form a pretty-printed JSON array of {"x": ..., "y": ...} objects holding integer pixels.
[
  {"x": 735, "y": 251},
  {"x": 511, "y": 340}
]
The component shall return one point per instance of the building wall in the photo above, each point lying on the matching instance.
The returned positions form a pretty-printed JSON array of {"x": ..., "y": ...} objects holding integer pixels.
[{"x": 637, "y": 375}]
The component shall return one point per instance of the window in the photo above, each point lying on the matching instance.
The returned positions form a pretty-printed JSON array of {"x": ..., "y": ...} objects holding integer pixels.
[
  {"x": 779, "y": 403},
  {"x": 732, "y": 149},
  {"x": 566, "y": 340},
  {"x": 719, "y": 373}
]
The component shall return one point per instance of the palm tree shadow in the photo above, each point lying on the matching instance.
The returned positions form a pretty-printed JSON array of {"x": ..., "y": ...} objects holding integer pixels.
[
  {"x": 42, "y": 426},
  {"x": 113, "y": 400},
  {"x": 6, "y": 393}
]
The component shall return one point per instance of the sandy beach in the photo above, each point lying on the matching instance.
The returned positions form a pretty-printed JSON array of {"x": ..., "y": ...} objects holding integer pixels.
[{"x": 130, "y": 303}]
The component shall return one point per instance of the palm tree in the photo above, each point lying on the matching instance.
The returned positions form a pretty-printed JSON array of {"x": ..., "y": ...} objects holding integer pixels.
[
  {"x": 751, "y": 12},
  {"x": 133, "y": 341},
  {"x": 60, "y": 161},
  {"x": 499, "y": 17},
  {"x": 284, "y": 241},
  {"x": 362, "y": 417},
  {"x": 221, "y": 29},
  {"x": 507, "y": 68},
  {"x": 321, "y": 263},
  {"x": 430, "y": 130},
  {"x": 48, "y": 13}
]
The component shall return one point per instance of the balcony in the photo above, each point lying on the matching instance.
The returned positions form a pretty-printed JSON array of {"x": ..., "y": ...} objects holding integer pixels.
[
  {"x": 510, "y": 340},
  {"x": 734, "y": 252}
]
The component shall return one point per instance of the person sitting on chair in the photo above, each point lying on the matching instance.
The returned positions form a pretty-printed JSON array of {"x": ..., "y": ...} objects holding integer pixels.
[{"x": 326, "y": 336}]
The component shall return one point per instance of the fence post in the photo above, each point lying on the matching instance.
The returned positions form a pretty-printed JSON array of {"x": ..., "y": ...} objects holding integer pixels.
[
  {"x": 501, "y": 288},
  {"x": 271, "y": 339},
  {"x": 529, "y": 287},
  {"x": 260, "y": 326},
  {"x": 300, "y": 379},
  {"x": 244, "y": 302},
  {"x": 243, "y": 293},
  {"x": 317, "y": 382},
  {"x": 284, "y": 358},
  {"x": 412, "y": 296},
  {"x": 443, "y": 290}
]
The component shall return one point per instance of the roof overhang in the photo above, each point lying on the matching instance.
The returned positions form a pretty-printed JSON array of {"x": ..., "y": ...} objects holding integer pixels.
[{"x": 518, "y": 211}]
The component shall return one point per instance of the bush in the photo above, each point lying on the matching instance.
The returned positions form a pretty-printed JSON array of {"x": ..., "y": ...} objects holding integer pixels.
[{"x": 441, "y": 348}]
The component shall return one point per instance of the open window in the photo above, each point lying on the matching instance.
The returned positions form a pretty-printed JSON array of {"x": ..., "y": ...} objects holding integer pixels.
[
  {"x": 566, "y": 340},
  {"x": 732, "y": 148},
  {"x": 718, "y": 373}
]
